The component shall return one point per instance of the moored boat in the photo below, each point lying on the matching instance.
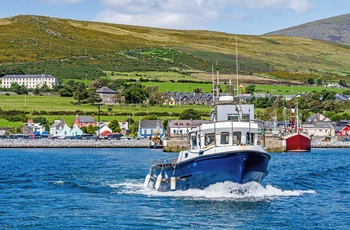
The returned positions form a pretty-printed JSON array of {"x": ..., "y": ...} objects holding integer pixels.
[
  {"x": 227, "y": 148},
  {"x": 297, "y": 140}
]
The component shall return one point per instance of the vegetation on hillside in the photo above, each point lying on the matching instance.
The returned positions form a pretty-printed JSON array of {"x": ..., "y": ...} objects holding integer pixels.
[{"x": 85, "y": 50}]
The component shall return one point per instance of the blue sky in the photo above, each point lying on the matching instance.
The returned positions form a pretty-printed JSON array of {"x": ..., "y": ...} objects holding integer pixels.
[{"x": 251, "y": 17}]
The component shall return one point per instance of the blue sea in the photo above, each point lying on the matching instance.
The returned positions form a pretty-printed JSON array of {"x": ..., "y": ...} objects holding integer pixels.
[{"x": 103, "y": 189}]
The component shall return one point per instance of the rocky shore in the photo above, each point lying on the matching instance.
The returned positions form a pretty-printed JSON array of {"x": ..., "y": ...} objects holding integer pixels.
[
  {"x": 331, "y": 144},
  {"x": 57, "y": 143}
]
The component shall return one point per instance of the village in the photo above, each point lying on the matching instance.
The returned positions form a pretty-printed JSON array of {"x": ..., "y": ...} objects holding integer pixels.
[{"x": 319, "y": 127}]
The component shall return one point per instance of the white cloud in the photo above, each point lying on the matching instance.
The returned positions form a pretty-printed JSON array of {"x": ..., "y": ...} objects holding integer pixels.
[
  {"x": 177, "y": 14},
  {"x": 187, "y": 14},
  {"x": 294, "y": 5}
]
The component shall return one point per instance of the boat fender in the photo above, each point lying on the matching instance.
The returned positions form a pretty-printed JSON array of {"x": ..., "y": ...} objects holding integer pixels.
[
  {"x": 159, "y": 180},
  {"x": 147, "y": 179},
  {"x": 173, "y": 183}
]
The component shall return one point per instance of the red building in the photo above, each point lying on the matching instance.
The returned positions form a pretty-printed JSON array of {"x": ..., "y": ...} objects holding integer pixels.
[
  {"x": 85, "y": 121},
  {"x": 344, "y": 132}
]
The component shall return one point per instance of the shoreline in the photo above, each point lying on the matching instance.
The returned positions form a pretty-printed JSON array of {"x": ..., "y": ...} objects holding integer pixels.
[
  {"x": 331, "y": 144},
  {"x": 64, "y": 143},
  {"x": 57, "y": 143}
]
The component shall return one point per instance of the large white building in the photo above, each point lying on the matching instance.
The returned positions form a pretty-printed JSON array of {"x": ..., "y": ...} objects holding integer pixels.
[{"x": 29, "y": 81}]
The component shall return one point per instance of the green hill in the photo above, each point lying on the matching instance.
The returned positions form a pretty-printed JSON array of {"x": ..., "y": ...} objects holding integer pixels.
[
  {"x": 85, "y": 50},
  {"x": 334, "y": 29}
]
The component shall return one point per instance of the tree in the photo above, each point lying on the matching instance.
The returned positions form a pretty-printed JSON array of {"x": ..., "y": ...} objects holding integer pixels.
[
  {"x": 342, "y": 83},
  {"x": 197, "y": 90},
  {"x": 79, "y": 92},
  {"x": 189, "y": 114},
  {"x": 114, "y": 126},
  {"x": 117, "y": 85},
  {"x": 155, "y": 98},
  {"x": 36, "y": 91},
  {"x": 99, "y": 83},
  {"x": 250, "y": 89},
  {"x": 93, "y": 97},
  {"x": 91, "y": 129},
  {"x": 310, "y": 81},
  {"x": 135, "y": 93}
]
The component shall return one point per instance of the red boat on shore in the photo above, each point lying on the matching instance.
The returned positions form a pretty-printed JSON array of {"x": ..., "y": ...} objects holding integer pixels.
[{"x": 296, "y": 139}]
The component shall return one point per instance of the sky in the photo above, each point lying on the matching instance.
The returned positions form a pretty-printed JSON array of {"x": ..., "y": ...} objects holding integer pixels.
[{"x": 249, "y": 17}]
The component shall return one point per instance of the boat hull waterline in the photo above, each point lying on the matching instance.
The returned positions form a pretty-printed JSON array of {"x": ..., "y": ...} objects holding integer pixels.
[{"x": 238, "y": 167}]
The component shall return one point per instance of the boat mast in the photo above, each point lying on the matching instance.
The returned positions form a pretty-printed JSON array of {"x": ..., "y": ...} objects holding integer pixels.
[
  {"x": 297, "y": 115},
  {"x": 212, "y": 78},
  {"x": 236, "y": 66}
]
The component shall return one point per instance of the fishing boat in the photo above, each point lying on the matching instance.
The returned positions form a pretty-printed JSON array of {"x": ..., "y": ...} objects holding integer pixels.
[
  {"x": 296, "y": 140},
  {"x": 229, "y": 147}
]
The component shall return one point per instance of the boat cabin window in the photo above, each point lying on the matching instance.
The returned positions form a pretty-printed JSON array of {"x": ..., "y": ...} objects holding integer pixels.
[
  {"x": 193, "y": 141},
  {"x": 246, "y": 117},
  {"x": 224, "y": 139},
  {"x": 232, "y": 117},
  {"x": 209, "y": 139},
  {"x": 236, "y": 138},
  {"x": 235, "y": 117}
]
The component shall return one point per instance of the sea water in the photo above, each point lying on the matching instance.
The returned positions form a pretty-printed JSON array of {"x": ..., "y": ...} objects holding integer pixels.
[{"x": 79, "y": 188}]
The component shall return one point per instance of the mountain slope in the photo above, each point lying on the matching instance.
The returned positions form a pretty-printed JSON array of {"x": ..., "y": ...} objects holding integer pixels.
[
  {"x": 334, "y": 29},
  {"x": 79, "y": 49}
]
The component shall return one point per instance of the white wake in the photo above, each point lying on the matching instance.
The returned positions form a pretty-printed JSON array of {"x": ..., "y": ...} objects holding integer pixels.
[{"x": 220, "y": 191}]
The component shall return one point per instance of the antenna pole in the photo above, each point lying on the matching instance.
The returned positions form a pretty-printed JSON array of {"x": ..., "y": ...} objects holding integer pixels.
[
  {"x": 212, "y": 78},
  {"x": 236, "y": 65}
]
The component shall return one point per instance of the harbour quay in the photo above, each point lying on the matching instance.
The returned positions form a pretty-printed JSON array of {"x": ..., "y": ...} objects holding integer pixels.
[{"x": 57, "y": 143}]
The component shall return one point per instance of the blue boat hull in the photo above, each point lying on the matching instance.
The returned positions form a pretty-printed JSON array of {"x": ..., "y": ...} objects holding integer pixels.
[{"x": 238, "y": 167}]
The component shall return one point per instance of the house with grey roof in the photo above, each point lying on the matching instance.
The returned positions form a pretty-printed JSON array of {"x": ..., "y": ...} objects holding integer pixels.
[
  {"x": 319, "y": 128},
  {"x": 29, "y": 81},
  {"x": 107, "y": 95},
  {"x": 85, "y": 121},
  {"x": 317, "y": 117},
  {"x": 147, "y": 128}
]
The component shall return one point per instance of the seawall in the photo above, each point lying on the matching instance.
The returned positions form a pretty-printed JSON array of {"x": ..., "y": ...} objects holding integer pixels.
[
  {"x": 57, "y": 143},
  {"x": 171, "y": 146}
]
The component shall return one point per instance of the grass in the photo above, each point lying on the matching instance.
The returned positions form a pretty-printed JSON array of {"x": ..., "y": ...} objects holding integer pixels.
[
  {"x": 66, "y": 48},
  {"x": 6, "y": 124},
  {"x": 292, "y": 90},
  {"x": 36, "y": 104}
]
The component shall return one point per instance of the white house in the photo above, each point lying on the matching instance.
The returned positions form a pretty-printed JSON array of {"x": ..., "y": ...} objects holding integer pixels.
[
  {"x": 61, "y": 129},
  {"x": 180, "y": 128},
  {"x": 29, "y": 81},
  {"x": 103, "y": 130},
  {"x": 147, "y": 128},
  {"x": 319, "y": 128},
  {"x": 75, "y": 131}
]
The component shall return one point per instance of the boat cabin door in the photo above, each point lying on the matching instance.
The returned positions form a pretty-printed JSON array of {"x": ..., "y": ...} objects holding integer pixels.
[
  {"x": 194, "y": 143},
  {"x": 250, "y": 137}
]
